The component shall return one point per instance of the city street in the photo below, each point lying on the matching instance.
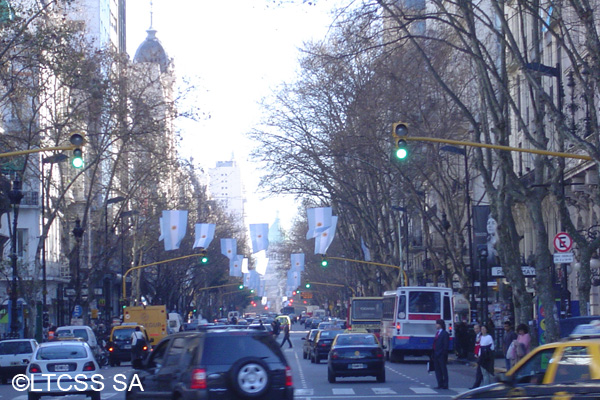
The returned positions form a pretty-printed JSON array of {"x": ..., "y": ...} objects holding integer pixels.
[{"x": 403, "y": 381}]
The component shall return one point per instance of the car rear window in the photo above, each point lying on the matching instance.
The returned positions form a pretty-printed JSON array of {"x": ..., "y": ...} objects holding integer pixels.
[
  {"x": 122, "y": 334},
  {"x": 66, "y": 352},
  {"x": 329, "y": 334},
  {"x": 80, "y": 333},
  {"x": 223, "y": 349},
  {"x": 15, "y": 348}
]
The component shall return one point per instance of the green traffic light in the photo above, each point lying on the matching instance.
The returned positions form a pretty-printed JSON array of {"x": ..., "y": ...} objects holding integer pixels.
[
  {"x": 204, "y": 260},
  {"x": 307, "y": 285},
  {"x": 324, "y": 262},
  {"x": 77, "y": 160},
  {"x": 241, "y": 287},
  {"x": 401, "y": 151}
]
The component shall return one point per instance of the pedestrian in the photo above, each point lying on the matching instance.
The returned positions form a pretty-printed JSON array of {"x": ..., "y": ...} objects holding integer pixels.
[
  {"x": 286, "y": 335},
  {"x": 137, "y": 344},
  {"x": 462, "y": 340},
  {"x": 523, "y": 341},
  {"x": 478, "y": 375},
  {"x": 486, "y": 356},
  {"x": 509, "y": 336},
  {"x": 275, "y": 325},
  {"x": 440, "y": 354}
]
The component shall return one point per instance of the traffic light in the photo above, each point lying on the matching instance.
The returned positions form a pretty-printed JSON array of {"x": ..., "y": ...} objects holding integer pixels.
[
  {"x": 307, "y": 286},
  {"x": 294, "y": 293},
  {"x": 203, "y": 257},
  {"x": 77, "y": 160},
  {"x": 400, "y": 130},
  {"x": 46, "y": 320},
  {"x": 324, "y": 262},
  {"x": 241, "y": 287}
]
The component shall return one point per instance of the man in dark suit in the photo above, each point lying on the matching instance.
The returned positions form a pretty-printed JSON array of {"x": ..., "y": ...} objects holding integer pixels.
[{"x": 440, "y": 354}]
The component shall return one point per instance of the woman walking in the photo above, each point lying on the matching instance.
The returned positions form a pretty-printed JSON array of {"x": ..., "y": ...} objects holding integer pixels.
[{"x": 486, "y": 356}]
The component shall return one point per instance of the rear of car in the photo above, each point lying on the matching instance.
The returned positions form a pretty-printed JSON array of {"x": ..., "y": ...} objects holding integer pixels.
[
  {"x": 322, "y": 344},
  {"x": 119, "y": 346},
  {"x": 356, "y": 354},
  {"x": 217, "y": 364},
  {"x": 63, "y": 368},
  {"x": 15, "y": 355}
]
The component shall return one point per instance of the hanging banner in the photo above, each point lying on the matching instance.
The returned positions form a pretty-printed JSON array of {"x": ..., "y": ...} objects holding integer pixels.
[
  {"x": 229, "y": 248},
  {"x": 297, "y": 262},
  {"x": 324, "y": 239},
  {"x": 259, "y": 235},
  {"x": 319, "y": 219},
  {"x": 205, "y": 233},
  {"x": 173, "y": 228}
]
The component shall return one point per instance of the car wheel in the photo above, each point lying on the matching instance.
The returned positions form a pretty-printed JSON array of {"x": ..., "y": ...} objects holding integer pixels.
[
  {"x": 32, "y": 396},
  {"x": 317, "y": 359},
  {"x": 250, "y": 377},
  {"x": 304, "y": 356},
  {"x": 381, "y": 376},
  {"x": 312, "y": 358},
  {"x": 330, "y": 376},
  {"x": 118, "y": 363},
  {"x": 3, "y": 380}
]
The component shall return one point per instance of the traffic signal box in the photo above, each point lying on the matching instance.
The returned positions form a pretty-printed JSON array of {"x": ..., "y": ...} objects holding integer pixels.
[{"x": 400, "y": 130}]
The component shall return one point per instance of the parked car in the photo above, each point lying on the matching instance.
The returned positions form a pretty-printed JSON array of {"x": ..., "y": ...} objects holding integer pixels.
[
  {"x": 119, "y": 344},
  {"x": 15, "y": 355},
  {"x": 320, "y": 347},
  {"x": 356, "y": 354},
  {"x": 228, "y": 363},
  {"x": 79, "y": 331},
  {"x": 310, "y": 337},
  {"x": 567, "y": 369},
  {"x": 63, "y": 360}
]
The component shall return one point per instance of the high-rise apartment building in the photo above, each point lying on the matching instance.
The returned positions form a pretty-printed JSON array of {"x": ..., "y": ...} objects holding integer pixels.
[{"x": 226, "y": 188}]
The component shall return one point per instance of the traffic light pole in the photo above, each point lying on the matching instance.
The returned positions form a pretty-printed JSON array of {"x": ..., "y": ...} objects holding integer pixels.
[
  {"x": 40, "y": 150},
  {"x": 404, "y": 276}
]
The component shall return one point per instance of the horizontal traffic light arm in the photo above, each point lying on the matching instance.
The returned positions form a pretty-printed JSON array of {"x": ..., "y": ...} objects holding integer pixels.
[
  {"x": 220, "y": 286},
  {"x": 371, "y": 263},
  {"x": 150, "y": 265},
  {"x": 496, "y": 147},
  {"x": 40, "y": 150},
  {"x": 332, "y": 284}
]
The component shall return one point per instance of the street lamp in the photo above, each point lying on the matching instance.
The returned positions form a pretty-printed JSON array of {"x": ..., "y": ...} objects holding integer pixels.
[
  {"x": 405, "y": 220},
  {"x": 15, "y": 196},
  {"x": 56, "y": 158},
  {"x": 463, "y": 152},
  {"x": 483, "y": 278}
]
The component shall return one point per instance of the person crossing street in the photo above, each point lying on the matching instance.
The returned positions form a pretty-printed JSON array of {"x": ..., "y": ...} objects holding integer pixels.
[{"x": 286, "y": 335}]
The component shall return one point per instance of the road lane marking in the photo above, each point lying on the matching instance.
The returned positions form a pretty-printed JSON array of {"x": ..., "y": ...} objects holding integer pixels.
[
  {"x": 300, "y": 371},
  {"x": 383, "y": 391},
  {"x": 339, "y": 392},
  {"x": 422, "y": 390},
  {"x": 304, "y": 392}
]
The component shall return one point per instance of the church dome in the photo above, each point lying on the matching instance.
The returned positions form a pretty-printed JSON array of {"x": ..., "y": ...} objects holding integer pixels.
[{"x": 152, "y": 51}]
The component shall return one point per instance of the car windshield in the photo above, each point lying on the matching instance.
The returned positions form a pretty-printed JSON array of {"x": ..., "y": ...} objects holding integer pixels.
[
  {"x": 328, "y": 334},
  {"x": 122, "y": 334},
  {"x": 79, "y": 333},
  {"x": 15, "y": 348},
  {"x": 67, "y": 352}
]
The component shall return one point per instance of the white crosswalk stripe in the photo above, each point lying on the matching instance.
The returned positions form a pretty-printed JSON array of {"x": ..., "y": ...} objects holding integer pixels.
[
  {"x": 304, "y": 392},
  {"x": 384, "y": 391},
  {"x": 342, "y": 392},
  {"x": 422, "y": 390}
]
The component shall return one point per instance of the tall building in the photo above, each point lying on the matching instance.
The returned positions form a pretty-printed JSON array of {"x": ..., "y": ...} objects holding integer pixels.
[{"x": 226, "y": 188}]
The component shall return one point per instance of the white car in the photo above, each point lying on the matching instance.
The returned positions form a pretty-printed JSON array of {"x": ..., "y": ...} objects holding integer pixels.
[
  {"x": 73, "y": 370},
  {"x": 14, "y": 357}
]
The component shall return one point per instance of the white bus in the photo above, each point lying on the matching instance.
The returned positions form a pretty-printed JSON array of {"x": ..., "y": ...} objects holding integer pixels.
[{"x": 408, "y": 320}]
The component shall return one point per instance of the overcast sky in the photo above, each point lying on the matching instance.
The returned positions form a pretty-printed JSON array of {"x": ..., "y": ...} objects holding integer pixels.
[{"x": 234, "y": 52}]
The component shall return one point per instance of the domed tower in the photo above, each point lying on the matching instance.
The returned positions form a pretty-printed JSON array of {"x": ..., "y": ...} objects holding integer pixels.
[{"x": 152, "y": 51}]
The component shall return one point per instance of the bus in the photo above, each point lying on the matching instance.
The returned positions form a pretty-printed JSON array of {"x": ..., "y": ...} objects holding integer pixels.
[
  {"x": 364, "y": 314},
  {"x": 408, "y": 320}
]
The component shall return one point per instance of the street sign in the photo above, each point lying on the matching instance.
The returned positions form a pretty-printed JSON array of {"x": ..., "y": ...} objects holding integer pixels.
[
  {"x": 70, "y": 292},
  {"x": 527, "y": 270},
  {"x": 77, "y": 311},
  {"x": 563, "y": 258},
  {"x": 563, "y": 242}
]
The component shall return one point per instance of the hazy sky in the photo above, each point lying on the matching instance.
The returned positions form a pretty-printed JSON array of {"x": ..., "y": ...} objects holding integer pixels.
[{"x": 234, "y": 52}]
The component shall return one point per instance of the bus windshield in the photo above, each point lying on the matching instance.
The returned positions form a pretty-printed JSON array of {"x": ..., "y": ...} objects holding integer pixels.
[
  {"x": 423, "y": 302},
  {"x": 367, "y": 309}
]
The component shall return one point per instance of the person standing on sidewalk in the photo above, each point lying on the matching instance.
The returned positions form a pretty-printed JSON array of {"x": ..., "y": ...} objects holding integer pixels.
[
  {"x": 486, "y": 356},
  {"x": 509, "y": 336},
  {"x": 478, "y": 375},
  {"x": 440, "y": 354}
]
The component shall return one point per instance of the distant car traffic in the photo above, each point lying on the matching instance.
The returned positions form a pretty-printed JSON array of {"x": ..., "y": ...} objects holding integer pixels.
[
  {"x": 356, "y": 354},
  {"x": 568, "y": 369},
  {"x": 119, "y": 344}
]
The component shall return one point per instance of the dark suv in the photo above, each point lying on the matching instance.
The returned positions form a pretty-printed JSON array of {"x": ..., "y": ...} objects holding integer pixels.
[{"x": 216, "y": 364}]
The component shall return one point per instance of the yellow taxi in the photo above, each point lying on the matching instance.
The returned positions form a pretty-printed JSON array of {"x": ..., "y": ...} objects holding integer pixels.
[
  {"x": 566, "y": 370},
  {"x": 284, "y": 320}
]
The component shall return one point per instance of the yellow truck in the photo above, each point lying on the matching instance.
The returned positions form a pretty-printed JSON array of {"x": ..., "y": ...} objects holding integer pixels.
[{"x": 154, "y": 319}]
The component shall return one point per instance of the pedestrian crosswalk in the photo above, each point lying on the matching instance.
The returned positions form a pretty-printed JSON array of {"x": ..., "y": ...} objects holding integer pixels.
[{"x": 381, "y": 391}]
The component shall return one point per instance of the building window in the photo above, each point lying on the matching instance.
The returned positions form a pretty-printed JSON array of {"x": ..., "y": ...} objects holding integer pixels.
[{"x": 22, "y": 243}]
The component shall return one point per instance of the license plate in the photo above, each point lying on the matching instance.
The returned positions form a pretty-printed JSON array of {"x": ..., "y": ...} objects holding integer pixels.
[
  {"x": 127, "y": 347},
  {"x": 61, "y": 368},
  {"x": 357, "y": 366},
  {"x": 15, "y": 363}
]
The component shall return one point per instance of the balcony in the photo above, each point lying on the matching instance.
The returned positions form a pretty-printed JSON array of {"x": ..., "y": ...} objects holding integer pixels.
[{"x": 30, "y": 199}]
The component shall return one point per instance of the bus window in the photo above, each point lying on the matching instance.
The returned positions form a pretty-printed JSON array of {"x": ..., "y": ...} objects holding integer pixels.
[
  {"x": 388, "y": 308},
  {"x": 447, "y": 310},
  {"x": 402, "y": 307},
  {"x": 424, "y": 302}
]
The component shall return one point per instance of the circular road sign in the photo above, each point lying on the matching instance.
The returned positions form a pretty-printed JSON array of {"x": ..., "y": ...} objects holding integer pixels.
[{"x": 563, "y": 242}]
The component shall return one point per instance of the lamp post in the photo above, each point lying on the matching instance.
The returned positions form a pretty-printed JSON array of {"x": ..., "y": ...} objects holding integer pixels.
[
  {"x": 405, "y": 220},
  {"x": 463, "y": 152},
  {"x": 483, "y": 278},
  {"x": 113, "y": 200},
  {"x": 15, "y": 195},
  {"x": 45, "y": 198},
  {"x": 78, "y": 234}
]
